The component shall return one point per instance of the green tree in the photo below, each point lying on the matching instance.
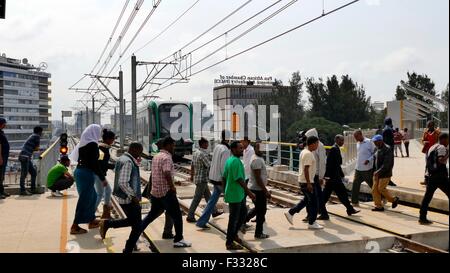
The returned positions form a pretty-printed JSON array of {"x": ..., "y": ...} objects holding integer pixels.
[
  {"x": 421, "y": 82},
  {"x": 444, "y": 115},
  {"x": 343, "y": 102}
]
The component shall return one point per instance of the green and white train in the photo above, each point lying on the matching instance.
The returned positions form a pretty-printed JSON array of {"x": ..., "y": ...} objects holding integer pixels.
[{"x": 159, "y": 119}]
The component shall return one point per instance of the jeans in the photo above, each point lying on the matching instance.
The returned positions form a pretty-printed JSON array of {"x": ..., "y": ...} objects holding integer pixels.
[
  {"x": 398, "y": 146},
  {"x": 238, "y": 214},
  {"x": 27, "y": 167},
  {"x": 259, "y": 211},
  {"x": 203, "y": 220},
  {"x": 201, "y": 190},
  {"x": 310, "y": 202},
  {"x": 102, "y": 190},
  {"x": 434, "y": 183},
  {"x": 338, "y": 187},
  {"x": 168, "y": 203},
  {"x": 61, "y": 184},
  {"x": 168, "y": 224},
  {"x": 360, "y": 176},
  {"x": 406, "y": 148},
  {"x": 2, "y": 173},
  {"x": 133, "y": 212}
]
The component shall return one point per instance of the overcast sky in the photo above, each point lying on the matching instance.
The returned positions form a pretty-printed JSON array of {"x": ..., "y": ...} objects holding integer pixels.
[{"x": 374, "y": 41}]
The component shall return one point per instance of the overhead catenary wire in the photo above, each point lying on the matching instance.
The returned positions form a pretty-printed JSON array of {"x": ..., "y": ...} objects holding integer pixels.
[
  {"x": 265, "y": 41},
  {"x": 211, "y": 28},
  {"x": 152, "y": 11},
  {"x": 252, "y": 28},
  {"x": 232, "y": 29},
  {"x": 125, "y": 29},
  {"x": 164, "y": 30}
]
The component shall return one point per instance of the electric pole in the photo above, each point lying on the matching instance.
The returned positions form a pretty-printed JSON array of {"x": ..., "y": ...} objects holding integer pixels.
[{"x": 133, "y": 97}]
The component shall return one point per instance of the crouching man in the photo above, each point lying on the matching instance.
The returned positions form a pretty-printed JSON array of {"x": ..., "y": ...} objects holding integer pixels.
[{"x": 59, "y": 178}]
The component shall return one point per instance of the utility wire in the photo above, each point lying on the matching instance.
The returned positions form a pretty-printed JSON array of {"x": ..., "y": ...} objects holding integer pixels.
[{"x": 267, "y": 41}]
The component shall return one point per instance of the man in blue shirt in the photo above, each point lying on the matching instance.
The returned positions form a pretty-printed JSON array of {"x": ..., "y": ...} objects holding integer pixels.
[
  {"x": 4, "y": 154},
  {"x": 364, "y": 164},
  {"x": 26, "y": 157}
]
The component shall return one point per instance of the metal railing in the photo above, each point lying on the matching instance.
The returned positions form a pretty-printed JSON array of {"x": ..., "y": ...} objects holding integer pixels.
[{"x": 288, "y": 154}]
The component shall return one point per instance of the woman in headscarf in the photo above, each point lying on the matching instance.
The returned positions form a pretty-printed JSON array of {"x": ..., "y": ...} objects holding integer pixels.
[{"x": 86, "y": 153}]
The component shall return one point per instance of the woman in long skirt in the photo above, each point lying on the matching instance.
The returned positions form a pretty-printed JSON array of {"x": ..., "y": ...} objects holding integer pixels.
[{"x": 86, "y": 153}]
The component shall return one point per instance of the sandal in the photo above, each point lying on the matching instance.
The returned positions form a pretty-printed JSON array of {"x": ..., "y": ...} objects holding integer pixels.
[
  {"x": 234, "y": 247},
  {"x": 77, "y": 230},
  {"x": 262, "y": 236},
  {"x": 94, "y": 224}
]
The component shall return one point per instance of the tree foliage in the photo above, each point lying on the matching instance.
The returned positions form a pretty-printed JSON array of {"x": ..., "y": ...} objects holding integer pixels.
[{"x": 342, "y": 102}]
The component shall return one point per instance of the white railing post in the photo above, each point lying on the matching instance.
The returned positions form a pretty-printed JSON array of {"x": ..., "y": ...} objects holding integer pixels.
[{"x": 46, "y": 160}]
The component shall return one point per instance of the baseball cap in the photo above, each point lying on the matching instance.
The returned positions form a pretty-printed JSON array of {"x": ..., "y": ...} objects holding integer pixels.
[
  {"x": 2, "y": 121},
  {"x": 377, "y": 138}
]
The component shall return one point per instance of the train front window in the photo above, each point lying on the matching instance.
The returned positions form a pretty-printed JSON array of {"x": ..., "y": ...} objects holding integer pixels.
[{"x": 175, "y": 121}]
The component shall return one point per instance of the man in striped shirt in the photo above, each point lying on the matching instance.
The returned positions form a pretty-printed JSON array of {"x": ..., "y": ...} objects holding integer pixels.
[
  {"x": 127, "y": 189},
  {"x": 164, "y": 193}
]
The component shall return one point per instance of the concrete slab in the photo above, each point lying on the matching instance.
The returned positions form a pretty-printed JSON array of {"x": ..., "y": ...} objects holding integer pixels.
[
  {"x": 209, "y": 241},
  {"x": 436, "y": 235},
  {"x": 339, "y": 235}
]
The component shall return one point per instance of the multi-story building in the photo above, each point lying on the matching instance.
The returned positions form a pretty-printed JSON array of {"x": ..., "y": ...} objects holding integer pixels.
[
  {"x": 229, "y": 97},
  {"x": 24, "y": 100},
  {"x": 378, "y": 106}
]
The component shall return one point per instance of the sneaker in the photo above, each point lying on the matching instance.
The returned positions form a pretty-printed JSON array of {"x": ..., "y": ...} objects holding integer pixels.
[
  {"x": 5, "y": 194},
  {"x": 262, "y": 236},
  {"x": 234, "y": 246},
  {"x": 315, "y": 225},
  {"x": 378, "y": 209},
  {"x": 323, "y": 217},
  {"x": 182, "y": 243},
  {"x": 2, "y": 196},
  {"x": 395, "y": 203},
  {"x": 289, "y": 217},
  {"x": 425, "y": 222},
  {"x": 205, "y": 227},
  {"x": 245, "y": 227},
  {"x": 25, "y": 193},
  {"x": 167, "y": 236},
  {"x": 217, "y": 213},
  {"x": 57, "y": 194},
  {"x": 351, "y": 212}
]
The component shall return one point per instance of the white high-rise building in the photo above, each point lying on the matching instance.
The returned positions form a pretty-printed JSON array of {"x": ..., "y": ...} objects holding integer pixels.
[{"x": 24, "y": 100}]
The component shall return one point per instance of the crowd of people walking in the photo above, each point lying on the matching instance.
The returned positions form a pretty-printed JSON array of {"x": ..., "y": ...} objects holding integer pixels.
[{"x": 236, "y": 169}]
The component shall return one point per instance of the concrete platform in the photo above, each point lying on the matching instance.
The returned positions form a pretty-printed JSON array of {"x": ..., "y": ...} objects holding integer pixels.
[
  {"x": 339, "y": 235},
  {"x": 408, "y": 173},
  {"x": 402, "y": 224}
]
